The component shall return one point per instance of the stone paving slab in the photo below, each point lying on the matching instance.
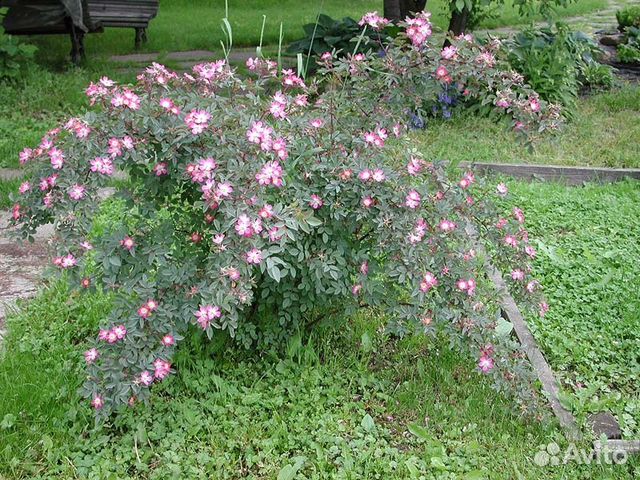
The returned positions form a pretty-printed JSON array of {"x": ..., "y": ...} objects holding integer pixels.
[
  {"x": 604, "y": 18},
  {"x": 21, "y": 265},
  {"x": 10, "y": 173},
  {"x": 192, "y": 57}
]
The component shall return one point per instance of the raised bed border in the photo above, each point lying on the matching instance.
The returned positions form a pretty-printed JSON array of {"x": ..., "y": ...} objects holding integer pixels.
[
  {"x": 550, "y": 385},
  {"x": 568, "y": 175}
]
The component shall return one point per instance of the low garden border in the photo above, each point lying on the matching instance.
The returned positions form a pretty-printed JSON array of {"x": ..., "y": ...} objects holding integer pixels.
[
  {"x": 600, "y": 423},
  {"x": 569, "y": 175}
]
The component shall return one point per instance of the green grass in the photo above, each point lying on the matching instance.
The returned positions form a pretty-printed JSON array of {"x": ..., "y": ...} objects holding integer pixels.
[
  {"x": 7, "y": 187},
  {"x": 41, "y": 101},
  {"x": 588, "y": 240},
  {"x": 508, "y": 14},
  {"x": 604, "y": 132},
  {"x": 195, "y": 24}
]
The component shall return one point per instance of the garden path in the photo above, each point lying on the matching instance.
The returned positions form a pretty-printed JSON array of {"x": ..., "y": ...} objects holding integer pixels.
[
  {"x": 604, "y": 19},
  {"x": 179, "y": 60},
  {"x": 21, "y": 266}
]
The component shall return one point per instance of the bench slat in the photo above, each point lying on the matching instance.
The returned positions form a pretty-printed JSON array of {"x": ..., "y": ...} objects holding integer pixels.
[{"x": 119, "y": 13}]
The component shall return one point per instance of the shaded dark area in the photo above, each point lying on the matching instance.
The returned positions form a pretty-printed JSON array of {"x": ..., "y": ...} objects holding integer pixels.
[
  {"x": 78, "y": 17},
  {"x": 397, "y": 10}
]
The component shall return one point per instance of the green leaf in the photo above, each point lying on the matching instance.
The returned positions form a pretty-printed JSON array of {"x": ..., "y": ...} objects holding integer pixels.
[
  {"x": 8, "y": 421},
  {"x": 275, "y": 274},
  {"x": 419, "y": 431},
  {"x": 288, "y": 472},
  {"x": 367, "y": 423},
  {"x": 474, "y": 475},
  {"x": 314, "y": 221},
  {"x": 366, "y": 343},
  {"x": 503, "y": 327}
]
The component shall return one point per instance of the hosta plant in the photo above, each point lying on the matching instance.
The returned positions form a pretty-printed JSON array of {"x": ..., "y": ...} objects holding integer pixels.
[{"x": 254, "y": 205}]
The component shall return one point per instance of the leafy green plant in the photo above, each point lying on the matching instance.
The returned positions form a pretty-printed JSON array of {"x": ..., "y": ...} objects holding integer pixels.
[
  {"x": 629, "y": 52},
  {"x": 628, "y": 17},
  {"x": 597, "y": 76},
  {"x": 14, "y": 56},
  {"x": 555, "y": 61},
  {"x": 335, "y": 36},
  {"x": 544, "y": 59}
]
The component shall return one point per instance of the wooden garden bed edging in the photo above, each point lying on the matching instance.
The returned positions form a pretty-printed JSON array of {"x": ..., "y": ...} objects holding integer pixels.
[
  {"x": 549, "y": 383},
  {"x": 511, "y": 312},
  {"x": 569, "y": 175},
  {"x": 540, "y": 366}
]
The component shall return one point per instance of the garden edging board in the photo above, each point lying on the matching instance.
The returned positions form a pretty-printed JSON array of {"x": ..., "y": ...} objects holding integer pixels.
[{"x": 569, "y": 175}]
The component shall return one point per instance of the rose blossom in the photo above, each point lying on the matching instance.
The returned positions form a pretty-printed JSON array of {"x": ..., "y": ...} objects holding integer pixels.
[
  {"x": 254, "y": 256},
  {"x": 127, "y": 243},
  {"x": 373, "y": 20},
  {"x": 146, "y": 378},
  {"x": 485, "y": 364},
  {"x": 544, "y": 308},
  {"x": 161, "y": 368},
  {"x": 24, "y": 187},
  {"x": 446, "y": 225},
  {"x": 91, "y": 355},
  {"x": 76, "y": 192},
  {"x": 517, "y": 275},
  {"x": 413, "y": 199},
  {"x": 97, "y": 402},
  {"x": 206, "y": 314},
  {"x": 315, "y": 202},
  {"x": 428, "y": 282}
]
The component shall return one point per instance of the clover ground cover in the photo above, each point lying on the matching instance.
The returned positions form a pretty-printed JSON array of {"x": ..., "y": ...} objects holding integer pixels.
[{"x": 588, "y": 241}]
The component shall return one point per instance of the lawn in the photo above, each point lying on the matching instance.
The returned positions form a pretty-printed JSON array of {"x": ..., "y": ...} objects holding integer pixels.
[
  {"x": 345, "y": 401},
  {"x": 588, "y": 241},
  {"x": 603, "y": 133},
  {"x": 195, "y": 24}
]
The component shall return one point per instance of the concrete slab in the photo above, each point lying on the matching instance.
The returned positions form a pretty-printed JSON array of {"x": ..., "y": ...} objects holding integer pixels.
[{"x": 21, "y": 265}]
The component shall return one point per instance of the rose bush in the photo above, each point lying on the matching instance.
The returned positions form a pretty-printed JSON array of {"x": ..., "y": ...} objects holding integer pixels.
[{"x": 255, "y": 205}]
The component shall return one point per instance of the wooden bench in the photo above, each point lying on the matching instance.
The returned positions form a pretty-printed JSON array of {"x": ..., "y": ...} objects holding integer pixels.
[
  {"x": 124, "y": 14},
  {"x": 38, "y": 17}
]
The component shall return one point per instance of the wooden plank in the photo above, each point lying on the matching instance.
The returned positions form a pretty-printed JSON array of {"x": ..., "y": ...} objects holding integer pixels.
[
  {"x": 538, "y": 362},
  {"x": 569, "y": 175}
]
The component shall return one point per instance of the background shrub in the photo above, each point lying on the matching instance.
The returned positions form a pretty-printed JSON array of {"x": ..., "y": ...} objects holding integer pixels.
[
  {"x": 628, "y": 17},
  {"x": 340, "y": 37},
  {"x": 15, "y": 56},
  {"x": 556, "y": 61},
  {"x": 257, "y": 206}
]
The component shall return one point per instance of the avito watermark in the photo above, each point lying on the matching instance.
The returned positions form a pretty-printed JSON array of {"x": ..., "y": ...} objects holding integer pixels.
[{"x": 551, "y": 454}]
